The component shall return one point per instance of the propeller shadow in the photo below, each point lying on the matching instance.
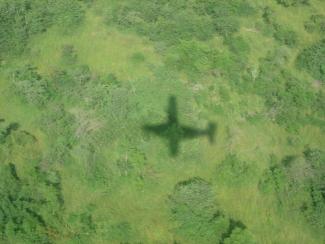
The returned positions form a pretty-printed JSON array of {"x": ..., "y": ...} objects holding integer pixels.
[{"x": 175, "y": 132}]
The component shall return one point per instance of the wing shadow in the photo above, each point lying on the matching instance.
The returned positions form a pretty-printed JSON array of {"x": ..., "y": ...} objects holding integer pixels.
[{"x": 174, "y": 132}]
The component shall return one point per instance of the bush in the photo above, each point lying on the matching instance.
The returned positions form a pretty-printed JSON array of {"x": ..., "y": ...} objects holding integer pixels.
[
  {"x": 193, "y": 207},
  {"x": 312, "y": 59},
  {"x": 288, "y": 99},
  {"x": 181, "y": 20},
  {"x": 18, "y": 21},
  {"x": 29, "y": 212},
  {"x": 288, "y": 3},
  {"x": 31, "y": 86},
  {"x": 285, "y": 36},
  {"x": 234, "y": 172},
  {"x": 298, "y": 184},
  {"x": 238, "y": 46},
  {"x": 316, "y": 23},
  {"x": 67, "y": 14},
  {"x": 190, "y": 56},
  {"x": 21, "y": 19},
  {"x": 199, "y": 220},
  {"x": 240, "y": 236},
  {"x": 60, "y": 127}
]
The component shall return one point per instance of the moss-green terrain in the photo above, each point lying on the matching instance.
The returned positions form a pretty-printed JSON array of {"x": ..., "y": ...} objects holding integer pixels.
[{"x": 79, "y": 79}]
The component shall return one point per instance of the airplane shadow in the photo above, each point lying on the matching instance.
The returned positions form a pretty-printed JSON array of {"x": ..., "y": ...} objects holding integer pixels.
[{"x": 175, "y": 132}]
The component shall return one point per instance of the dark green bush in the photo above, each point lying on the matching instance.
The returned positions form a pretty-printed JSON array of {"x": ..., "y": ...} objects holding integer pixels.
[
  {"x": 181, "y": 20},
  {"x": 285, "y": 36},
  {"x": 21, "y": 19},
  {"x": 238, "y": 46},
  {"x": 67, "y": 14},
  {"x": 193, "y": 207},
  {"x": 289, "y": 100},
  {"x": 60, "y": 127},
  {"x": 298, "y": 184},
  {"x": 31, "y": 86},
  {"x": 268, "y": 15},
  {"x": 316, "y": 23},
  {"x": 31, "y": 208},
  {"x": 312, "y": 59},
  {"x": 288, "y": 3},
  {"x": 199, "y": 220},
  {"x": 234, "y": 172},
  {"x": 190, "y": 56}
]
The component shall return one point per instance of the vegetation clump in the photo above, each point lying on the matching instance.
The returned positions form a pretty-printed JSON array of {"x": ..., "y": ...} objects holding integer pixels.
[{"x": 194, "y": 208}]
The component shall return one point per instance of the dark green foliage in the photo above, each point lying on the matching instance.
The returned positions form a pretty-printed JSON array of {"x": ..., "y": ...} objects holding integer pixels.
[
  {"x": 31, "y": 86},
  {"x": 292, "y": 103},
  {"x": 160, "y": 21},
  {"x": 288, "y": 99},
  {"x": 191, "y": 56},
  {"x": 288, "y": 3},
  {"x": 172, "y": 21},
  {"x": 70, "y": 82},
  {"x": 316, "y": 23},
  {"x": 312, "y": 59},
  {"x": 239, "y": 236},
  {"x": 234, "y": 172},
  {"x": 268, "y": 15},
  {"x": 68, "y": 14},
  {"x": 313, "y": 207},
  {"x": 238, "y": 46},
  {"x": 60, "y": 126},
  {"x": 29, "y": 213},
  {"x": 285, "y": 36},
  {"x": 273, "y": 180},
  {"x": 81, "y": 225},
  {"x": 298, "y": 183},
  {"x": 21, "y": 19},
  {"x": 199, "y": 220},
  {"x": 194, "y": 208},
  {"x": 6, "y": 130}
]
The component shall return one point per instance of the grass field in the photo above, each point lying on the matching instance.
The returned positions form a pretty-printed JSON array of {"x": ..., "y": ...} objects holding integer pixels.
[{"x": 116, "y": 180}]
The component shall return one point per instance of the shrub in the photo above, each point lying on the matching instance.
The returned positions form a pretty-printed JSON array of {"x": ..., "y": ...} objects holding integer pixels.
[
  {"x": 268, "y": 15},
  {"x": 19, "y": 20},
  {"x": 67, "y": 14},
  {"x": 238, "y": 46},
  {"x": 288, "y": 3},
  {"x": 240, "y": 236},
  {"x": 29, "y": 212},
  {"x": 31, "y": 86},
  {"x": 234, "y": 172},
  {"x": 312, "y": 59},
  {"x": 191, "y": 57},
  {"x": 285, "y": 36},
  {"x": 194, "y": 208},
  {"x": 316, "y": 23},
  {"x": 298, "y": 184},
  {"x": 181, "y": 20}
]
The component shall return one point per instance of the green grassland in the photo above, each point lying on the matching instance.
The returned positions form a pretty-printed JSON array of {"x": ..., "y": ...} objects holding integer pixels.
[{"x": 79, "y": 79}]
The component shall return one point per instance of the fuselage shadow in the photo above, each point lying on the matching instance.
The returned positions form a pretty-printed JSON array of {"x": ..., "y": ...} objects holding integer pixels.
[{"x": 175, "y": 132}]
